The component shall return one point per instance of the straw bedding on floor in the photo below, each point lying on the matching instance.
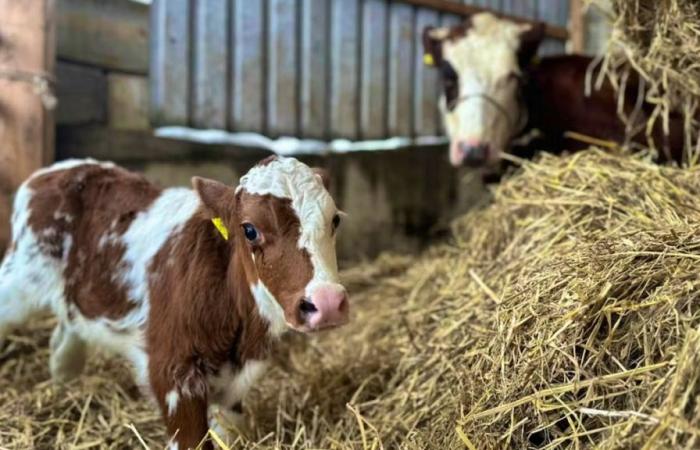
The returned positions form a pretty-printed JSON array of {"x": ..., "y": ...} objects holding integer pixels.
[{"x": 564, "y": 314}]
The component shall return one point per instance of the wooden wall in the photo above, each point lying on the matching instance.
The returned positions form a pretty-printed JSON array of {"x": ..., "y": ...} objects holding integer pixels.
[{"x": 26, "y": 95}]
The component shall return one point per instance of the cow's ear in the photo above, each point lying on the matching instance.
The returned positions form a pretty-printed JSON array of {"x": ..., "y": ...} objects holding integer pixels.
[
  {"x": 324, "y": 176},
  {"x": 217, "y": 197},
  {"x": 432, "y": 46},
  {"x": 531, "y": 36}
]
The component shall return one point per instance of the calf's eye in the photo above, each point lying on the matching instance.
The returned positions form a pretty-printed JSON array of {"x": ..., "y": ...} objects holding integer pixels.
[
  {"x": 250, "y": 232},
  {"x": 336, "y": 222}
]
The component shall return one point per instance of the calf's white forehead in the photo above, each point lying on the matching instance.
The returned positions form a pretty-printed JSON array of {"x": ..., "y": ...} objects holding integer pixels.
[
  {"x": 291, "y": 179},
  {"x": 313, "y": 205}
]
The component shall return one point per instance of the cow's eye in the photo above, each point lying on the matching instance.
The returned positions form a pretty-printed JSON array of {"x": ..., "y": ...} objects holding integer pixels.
[
  {"x": 336, "y": 222},
  {"x": 450, "y": 82},
  {"x": 250, "y": 232}
]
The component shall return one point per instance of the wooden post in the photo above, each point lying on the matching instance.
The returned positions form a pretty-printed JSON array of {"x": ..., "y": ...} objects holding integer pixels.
[
  {"x": 27, "y": 55},
  {"x": 577, "y": 26}
]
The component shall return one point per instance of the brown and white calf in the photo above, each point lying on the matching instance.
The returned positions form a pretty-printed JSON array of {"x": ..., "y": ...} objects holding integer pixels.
[
  {"x": 144, "y": 272},
  {"x": 495, "y": 92}
]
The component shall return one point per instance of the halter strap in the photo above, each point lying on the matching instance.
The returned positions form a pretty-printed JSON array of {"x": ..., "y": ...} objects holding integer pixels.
[{"x": 517, "y": 127}]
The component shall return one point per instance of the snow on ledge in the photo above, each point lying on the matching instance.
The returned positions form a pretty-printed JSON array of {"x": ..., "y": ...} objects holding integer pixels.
[{"x": 293, "y": 146}]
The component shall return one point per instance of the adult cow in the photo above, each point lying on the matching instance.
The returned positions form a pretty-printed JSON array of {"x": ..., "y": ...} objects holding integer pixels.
[
  {"x": 495, "y": 92},
  {"x": 193, "y": 287}
]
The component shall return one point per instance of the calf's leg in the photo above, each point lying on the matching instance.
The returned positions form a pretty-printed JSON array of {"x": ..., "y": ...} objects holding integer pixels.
[
  {"x": 184, "y": 410},
  {"x": 15, "y": 309},
  {"x": 68, "y": 354}
]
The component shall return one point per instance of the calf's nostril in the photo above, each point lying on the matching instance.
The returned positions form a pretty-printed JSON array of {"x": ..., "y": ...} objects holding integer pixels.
[
  {"x": 343, "y": 304},
  {"x": 307, "y": 307}
]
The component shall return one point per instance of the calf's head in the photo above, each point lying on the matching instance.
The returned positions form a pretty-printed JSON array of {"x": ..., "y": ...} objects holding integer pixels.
[
  {"x": 481, "y": 64},
  {"x": 282, "y": 223}
]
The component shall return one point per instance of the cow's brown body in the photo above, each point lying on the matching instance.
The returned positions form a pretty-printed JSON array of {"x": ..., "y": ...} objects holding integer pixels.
[
  {"x": 554, "y": 93},
  {"x": 144, "y": 272}
]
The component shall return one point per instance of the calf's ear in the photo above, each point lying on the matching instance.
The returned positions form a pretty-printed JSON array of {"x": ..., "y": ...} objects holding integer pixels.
[
  {"x": 217, "y": 197},
  {"x": 531, "y": 37},
  {"x": 324, "y": 176}
]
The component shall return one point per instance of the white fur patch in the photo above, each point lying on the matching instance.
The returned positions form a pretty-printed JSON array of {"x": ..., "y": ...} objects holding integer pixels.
[
  {"x": 313, "y": 205},
  {"x": 171, "y": 399},
  {"x": 269, "y": 308},
  {"x": 230, "y": 387}
]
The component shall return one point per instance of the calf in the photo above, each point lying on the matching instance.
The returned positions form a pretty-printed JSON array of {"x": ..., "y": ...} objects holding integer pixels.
[
  {"x": 193, "y": 303},
  {"x": 496, "y": 93}
]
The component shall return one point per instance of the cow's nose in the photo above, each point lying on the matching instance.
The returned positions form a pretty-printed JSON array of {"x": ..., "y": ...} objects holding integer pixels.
[
  {"x": 474, "y": 154},
  {"x": 326, "y": 307}
]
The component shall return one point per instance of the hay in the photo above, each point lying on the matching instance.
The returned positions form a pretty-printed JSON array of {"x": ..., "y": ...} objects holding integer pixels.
[
  {"x": 564, "y": 314},
  {"x": 660, "y": 40}
]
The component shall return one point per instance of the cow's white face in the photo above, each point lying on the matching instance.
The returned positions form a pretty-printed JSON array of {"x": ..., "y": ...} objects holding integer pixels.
[{"x": 480, "y": 66}]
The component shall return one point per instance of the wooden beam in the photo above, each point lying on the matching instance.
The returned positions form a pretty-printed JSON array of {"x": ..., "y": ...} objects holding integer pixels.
[
  {"x": 446, "y": 6},
  {"x": 27, "y": 42},
  {"x": 110, "y": 34},
  {"x": 577, "y": 26},
  {"x": 82, "y": 94}
]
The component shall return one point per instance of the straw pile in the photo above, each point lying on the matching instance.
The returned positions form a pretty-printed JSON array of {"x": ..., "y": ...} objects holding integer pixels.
[
  {"x": 660, "y": 40},
  {"x": 564, "y": 314}
]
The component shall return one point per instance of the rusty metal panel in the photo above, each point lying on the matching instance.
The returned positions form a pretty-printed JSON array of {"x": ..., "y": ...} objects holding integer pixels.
[
  {"x": 344, "y": 66},
  {"x": 321, "y": 69},
  {"x": 374, "y": 69},
  {"x": 401, "y": 43},
  {"x": 170, "y": 41},
  {"x": 282, "y": 68},
  {"x": 314, "y": 76},
  {"x": 425, "y": 110},
  {"x": 210, "y": 68},
  {"x": 248, "y": 69}
]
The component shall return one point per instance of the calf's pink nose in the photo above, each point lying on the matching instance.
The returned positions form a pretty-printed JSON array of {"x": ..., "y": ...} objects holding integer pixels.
[{"x": 331, "y": 307}]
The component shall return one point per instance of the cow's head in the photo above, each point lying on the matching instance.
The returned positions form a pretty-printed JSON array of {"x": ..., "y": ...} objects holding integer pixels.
[
  {"x": 282, "y": 223},
  {"x": 481, "y": 64}
]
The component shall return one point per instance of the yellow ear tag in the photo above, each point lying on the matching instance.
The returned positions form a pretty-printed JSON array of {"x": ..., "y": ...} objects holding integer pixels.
[
  {"x": 219, "y": 224},
  {"x": 428, "y": 59}
]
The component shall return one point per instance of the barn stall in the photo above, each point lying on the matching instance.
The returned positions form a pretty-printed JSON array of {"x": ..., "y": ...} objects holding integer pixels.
[{"x": 558, "y": 312}]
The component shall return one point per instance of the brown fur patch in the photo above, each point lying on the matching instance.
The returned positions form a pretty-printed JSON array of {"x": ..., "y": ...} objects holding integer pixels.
[{"x": 87, "y": 203}]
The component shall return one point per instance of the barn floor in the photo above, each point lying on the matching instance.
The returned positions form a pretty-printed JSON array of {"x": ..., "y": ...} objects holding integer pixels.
[{"x": 563, "y": 315}]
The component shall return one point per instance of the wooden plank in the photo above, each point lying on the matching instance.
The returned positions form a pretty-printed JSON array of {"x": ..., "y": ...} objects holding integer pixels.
[
  {"x": 344, "y": 68},
  {"x": 314, "y": 80},
  {"x": 81, "y": 93},
  {"x": 135, "y": 146},
  {"x": 576, "y": 26},
  {"x": 111, "y": 34},
  {"x": 400, "y": 64},
  {"x": 249, "y": 67},
  {"x": 170, "y": 62},
  {"x": 27, "y": 58},
  {"x": 282, "y": 68},
  {"x": 425, "y": 91},
  {"x": 554, "y": 31},
  {"x": 128, "y": 101},
  {"x": 373, "y": 90},
  {"x": 210, "y": 71}
]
